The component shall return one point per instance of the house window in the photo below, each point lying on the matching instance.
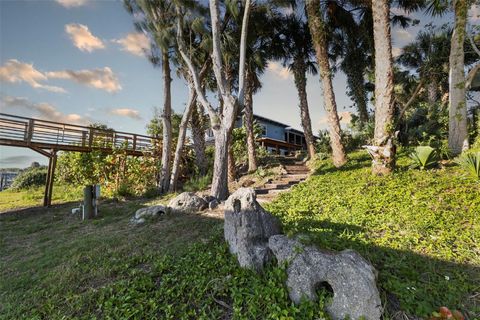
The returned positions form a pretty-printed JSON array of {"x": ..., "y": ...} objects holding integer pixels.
[{"x": 264, "y": 130}]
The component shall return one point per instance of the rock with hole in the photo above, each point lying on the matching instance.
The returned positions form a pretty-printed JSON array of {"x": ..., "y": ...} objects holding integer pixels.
[
  {"x": 142, "y": 215},
  {"x": 247, "y": 229},
  {"x": 187, "y": 202},
  {"x": 351, "y": 278}
]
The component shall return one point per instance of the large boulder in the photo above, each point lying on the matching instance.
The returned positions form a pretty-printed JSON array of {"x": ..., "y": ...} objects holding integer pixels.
[
  {"x": 247, "y": 229},
  {"x": 148, "y": 213},
  {"x": 187, "y": 202},
  {"x": 351, "y": 278}
]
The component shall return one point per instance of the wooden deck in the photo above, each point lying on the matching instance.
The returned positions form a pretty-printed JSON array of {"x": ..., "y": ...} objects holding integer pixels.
[
  {"x": 32, "y": 133},
  {"x": 48, "y": 137}
]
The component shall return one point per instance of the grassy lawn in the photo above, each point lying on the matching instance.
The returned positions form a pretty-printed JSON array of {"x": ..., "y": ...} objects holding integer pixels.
[
  {"x": 420, "y": 230},
  {"x": 16, "y": 199}
]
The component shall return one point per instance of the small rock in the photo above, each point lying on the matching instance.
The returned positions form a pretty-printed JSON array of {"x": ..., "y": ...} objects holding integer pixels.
[
  {"x": 187, "y": 202},
  {"x": 351, "y": 277},
  {"x": 143, "y": 214},
  {"x": 247, "y": 228}
]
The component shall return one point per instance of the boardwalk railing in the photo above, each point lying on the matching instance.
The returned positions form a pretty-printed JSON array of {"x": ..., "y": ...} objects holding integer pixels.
[{"x": 35, "y": 133}]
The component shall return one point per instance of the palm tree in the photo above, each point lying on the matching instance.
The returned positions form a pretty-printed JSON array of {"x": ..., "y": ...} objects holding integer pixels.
[
  {"x": 427, "y": 56},
  {"x": 157, "y": 18},
  {"x": 384, "y": 155},
  {"x": 318, "y": 30},
  {"x": 260, "y": 48},
  {"x": 299, "y": 57}
]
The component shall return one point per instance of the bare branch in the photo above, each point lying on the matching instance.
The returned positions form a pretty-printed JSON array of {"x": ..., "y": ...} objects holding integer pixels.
[
  {"x": 412, "y": 98},
  {"x": 471, "y": 74},
  {"x": 472, "y": 43},
  {"x": 217, "y": 54},
  {"x": 193, "y": 71}
]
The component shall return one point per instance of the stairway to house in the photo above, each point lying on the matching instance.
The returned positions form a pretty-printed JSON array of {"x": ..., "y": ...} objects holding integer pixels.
[{"x": 296, "y": 172}]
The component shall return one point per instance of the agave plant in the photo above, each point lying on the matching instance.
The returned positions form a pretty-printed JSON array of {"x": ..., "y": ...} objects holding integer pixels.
[
  {"x": 425, "y": 157},
  {"x": 471, "y": 162}
]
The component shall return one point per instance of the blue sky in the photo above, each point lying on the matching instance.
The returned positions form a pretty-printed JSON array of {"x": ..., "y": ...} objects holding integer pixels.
[{"x": 80, "y": 61}]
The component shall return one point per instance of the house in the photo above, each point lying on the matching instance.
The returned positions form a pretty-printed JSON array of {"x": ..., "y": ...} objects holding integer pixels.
[{"x": 277, "y": 137}]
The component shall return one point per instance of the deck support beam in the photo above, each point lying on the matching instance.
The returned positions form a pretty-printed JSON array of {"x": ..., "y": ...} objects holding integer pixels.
[{"x": 52, "y": 163}]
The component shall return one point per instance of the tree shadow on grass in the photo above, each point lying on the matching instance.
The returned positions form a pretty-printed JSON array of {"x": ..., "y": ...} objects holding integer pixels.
[
  {"x": 410, "y": 282},
  {"x": 360, "y": 161}
]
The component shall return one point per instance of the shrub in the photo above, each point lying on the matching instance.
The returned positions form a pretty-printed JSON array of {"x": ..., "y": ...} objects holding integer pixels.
[
  {"x": 197, "y": 183},
  {"x": 32, "y": 177},
  {"x": 471, "y": 162},
  {"x": 424, "y": 156}
]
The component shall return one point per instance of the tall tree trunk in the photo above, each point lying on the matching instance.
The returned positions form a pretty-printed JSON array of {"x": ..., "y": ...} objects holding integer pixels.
[
  {"x": 384, "y": 159},
  {"x": 219, "y": 187},
  {"x": 248, "y": 111},
  {"x": 197, "y": 126},
  {"x": 182, "y": 131},
  {"x": 166, "y": 123},
  {"x": 300, "y": 79},
  {"x": 317, "y": 29},
  {"x": 457, "y": 130}
]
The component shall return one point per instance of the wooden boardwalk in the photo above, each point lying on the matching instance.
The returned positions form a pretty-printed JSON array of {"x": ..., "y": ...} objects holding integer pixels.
[
  {"x": 48, "y": 137},
  {"x": 32, "y": 133}
]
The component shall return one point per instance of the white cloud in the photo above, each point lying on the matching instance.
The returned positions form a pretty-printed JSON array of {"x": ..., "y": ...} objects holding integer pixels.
[
  {"x": 14, "y": 71},
  {"x": 42, "y": 110},
  {"x": 344, "y": 116},
  {"x": 134, "y": 43},
  {"x": 101, "y": 78},
  {"x": 71, "y": 3},
  {"x": 403, "y": 35},
  {"x": 126, "y": 112},
  {"x": 82, "y": 38},
  {"x": 474, "y": 14},
  {"x": 279, "y": 70}
]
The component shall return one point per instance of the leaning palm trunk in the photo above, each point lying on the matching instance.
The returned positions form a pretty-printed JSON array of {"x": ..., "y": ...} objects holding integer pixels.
[
  {"x": 457, "y": 130},
  {"x": 301, "y": 84},
  {"x": 248, "y": 111},
  {"x": 384, "y": 155},
  {"x": 166, "y": 123},
  {"x": 317, "y": 29},
  {"x": 197, "y": 126},
  {"x": 181, "y": 138}
]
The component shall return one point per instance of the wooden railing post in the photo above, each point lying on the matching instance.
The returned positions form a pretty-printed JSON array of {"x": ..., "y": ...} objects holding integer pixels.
[
  {"x": 90, "y": 137},
  {"x": 30, "y": 130},
  {"x": 84, "y": 137},
  {"x": 134, "y": 142}
]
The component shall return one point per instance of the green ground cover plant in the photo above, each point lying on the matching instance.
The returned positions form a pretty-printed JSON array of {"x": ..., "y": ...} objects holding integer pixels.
[{"x": 419, "y": 228}]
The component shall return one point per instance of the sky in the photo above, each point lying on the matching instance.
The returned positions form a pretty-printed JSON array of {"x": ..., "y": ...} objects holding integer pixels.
[{"x": 82, "y": 61}]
